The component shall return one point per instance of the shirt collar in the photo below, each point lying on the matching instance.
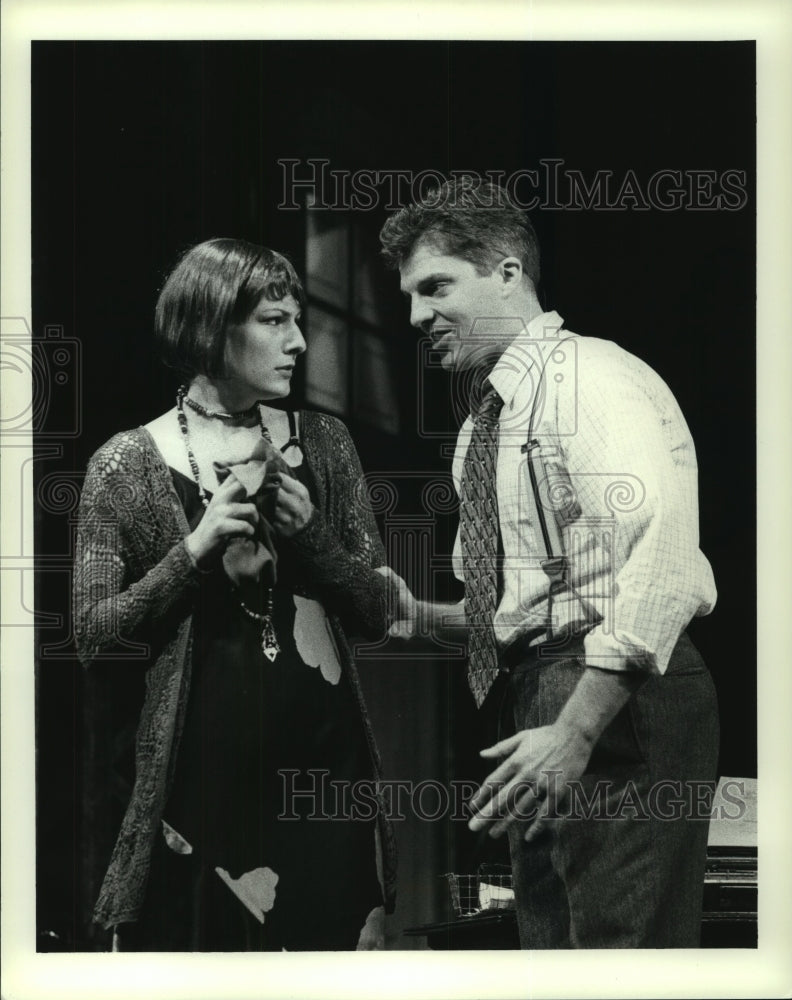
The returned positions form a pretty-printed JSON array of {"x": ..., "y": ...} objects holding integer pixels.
[{"x": 522, "y": 353}]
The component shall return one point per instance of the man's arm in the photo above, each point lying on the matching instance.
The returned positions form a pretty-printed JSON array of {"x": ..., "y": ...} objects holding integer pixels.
[
  {"x": 632, "y": 466},
  {"x": 442, "y": 621},
  {"x": 422, "y": 618}
]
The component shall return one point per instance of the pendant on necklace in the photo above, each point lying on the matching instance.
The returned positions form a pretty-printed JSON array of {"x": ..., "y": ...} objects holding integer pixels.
[{"x": 269, "y": 641}]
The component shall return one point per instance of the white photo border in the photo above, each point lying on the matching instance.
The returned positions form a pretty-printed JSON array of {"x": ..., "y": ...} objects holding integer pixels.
[{"x": 766, "y": 971}]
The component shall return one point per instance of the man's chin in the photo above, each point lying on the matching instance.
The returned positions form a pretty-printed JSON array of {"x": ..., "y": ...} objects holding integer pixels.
[
  {"x": 464, "y": 362},
  {"x": 448, "y": 361},
  {"x": 461, "y": 358}
]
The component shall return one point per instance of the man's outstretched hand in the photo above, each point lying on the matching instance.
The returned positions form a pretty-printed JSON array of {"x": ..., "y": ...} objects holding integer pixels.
[
  {"x": 404, "y": 607},
  {"x": 412, "y": 619},
  {"x": 530, "y": 783}
]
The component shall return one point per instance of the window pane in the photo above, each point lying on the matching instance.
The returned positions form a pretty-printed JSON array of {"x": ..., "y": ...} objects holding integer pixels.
[
  {"x": 371, "y": 280},
  {"x": 376, "y": 400},
  {"x": 326, "y": 361},
  {"x": 327, "y": 257}
]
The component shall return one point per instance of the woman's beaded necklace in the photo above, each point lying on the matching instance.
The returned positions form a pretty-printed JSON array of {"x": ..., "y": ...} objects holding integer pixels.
[
  {"x": 251, "y": 411},
  {"x": 269, "y": 640}
]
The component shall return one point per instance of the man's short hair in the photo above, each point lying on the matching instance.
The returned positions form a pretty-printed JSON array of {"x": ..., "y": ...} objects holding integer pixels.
[
  {"x": 468, "y": 218},
  {"x": 215, "y": 285}
]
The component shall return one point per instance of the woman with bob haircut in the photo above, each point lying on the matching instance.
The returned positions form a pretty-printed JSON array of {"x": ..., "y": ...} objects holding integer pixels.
[{"x": 236, "y": 542}]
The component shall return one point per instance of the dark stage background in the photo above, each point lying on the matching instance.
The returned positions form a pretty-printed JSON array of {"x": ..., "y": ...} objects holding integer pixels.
[{"x": 140, "y": 149}]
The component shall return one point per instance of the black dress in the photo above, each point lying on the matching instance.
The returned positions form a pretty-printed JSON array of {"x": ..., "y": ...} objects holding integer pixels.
[{"x": 268, "y": 836}]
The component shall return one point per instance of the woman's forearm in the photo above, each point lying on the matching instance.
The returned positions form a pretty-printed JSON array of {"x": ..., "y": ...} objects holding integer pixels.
[{"x": 108, "y": 617}]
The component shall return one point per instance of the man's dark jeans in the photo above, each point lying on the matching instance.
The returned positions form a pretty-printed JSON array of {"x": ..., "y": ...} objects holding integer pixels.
[{"x": 624, "y": 867}]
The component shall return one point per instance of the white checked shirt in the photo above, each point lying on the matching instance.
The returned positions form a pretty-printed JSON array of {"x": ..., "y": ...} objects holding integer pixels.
[{"x": 620, "y": 479}]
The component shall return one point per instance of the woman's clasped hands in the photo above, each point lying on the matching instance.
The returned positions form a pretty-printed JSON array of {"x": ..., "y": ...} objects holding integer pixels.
[{"x": 230, "y": 514}]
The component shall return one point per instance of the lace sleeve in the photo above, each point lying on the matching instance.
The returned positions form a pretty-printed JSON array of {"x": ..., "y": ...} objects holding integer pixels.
[
  {"x": 350, "y": 509},
  {"x": 117, "y": 599},
  {"x": 340, "y": 547}
]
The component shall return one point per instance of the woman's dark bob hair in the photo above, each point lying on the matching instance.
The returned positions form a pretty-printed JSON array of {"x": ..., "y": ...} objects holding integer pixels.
[{"x": 215, "y": 285}]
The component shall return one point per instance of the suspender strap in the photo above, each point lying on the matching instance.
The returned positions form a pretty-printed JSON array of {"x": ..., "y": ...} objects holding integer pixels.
[{"x": 555, "y": 563}]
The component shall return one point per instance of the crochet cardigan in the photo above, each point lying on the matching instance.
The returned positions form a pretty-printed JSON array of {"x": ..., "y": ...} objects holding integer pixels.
[{"x": 135, "y": 583}]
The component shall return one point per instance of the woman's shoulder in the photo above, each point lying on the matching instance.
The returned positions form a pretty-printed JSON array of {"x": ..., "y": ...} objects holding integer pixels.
[
  {"x": 126, "y": 451},
  {"x": 326, "y": 441},
  {"x": 329, "y": 449},
  {"x": 318, "y": 424},
  {"x": 166, "y": 435}
]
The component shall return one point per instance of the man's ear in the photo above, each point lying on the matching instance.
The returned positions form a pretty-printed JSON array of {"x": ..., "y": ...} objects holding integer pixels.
[{"x": 510, "y": 270}]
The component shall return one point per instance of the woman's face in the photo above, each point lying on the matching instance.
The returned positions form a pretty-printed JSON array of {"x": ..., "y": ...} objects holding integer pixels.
[{"x": 260, "y": 354}]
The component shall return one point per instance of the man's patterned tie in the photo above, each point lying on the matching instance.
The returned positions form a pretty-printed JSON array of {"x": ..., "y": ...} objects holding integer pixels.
[{"x": 478, "y": 530}]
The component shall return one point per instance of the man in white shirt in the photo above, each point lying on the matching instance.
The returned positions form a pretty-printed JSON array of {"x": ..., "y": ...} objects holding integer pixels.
[{"x": 578, "y": 547}]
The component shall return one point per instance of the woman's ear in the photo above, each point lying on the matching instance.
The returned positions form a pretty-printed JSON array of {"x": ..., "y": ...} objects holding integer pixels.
[{"x": 510, "y": 270}]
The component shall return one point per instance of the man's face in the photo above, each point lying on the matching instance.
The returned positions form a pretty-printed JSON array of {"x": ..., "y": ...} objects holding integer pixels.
[{"x": 464, "y": 312}]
